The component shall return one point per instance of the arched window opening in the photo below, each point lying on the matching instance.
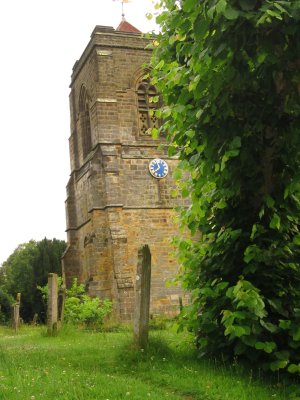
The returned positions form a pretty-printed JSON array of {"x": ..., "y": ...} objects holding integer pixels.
[
  {"x": 85, "y": 123},
  {"x": 146, "y": 106}
]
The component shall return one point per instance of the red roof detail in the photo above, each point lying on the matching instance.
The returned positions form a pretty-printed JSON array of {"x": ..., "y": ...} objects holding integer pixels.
[{"x": 125, "y": 26}]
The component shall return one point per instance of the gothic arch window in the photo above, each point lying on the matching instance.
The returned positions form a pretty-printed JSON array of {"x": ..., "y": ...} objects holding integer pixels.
[
  {"x": 146, "y": 107},
  {"x": 85, "y": 122}
]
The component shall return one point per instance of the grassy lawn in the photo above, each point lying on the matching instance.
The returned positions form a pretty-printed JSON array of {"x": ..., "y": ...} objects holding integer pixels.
[{"x": 106, "y": 366}]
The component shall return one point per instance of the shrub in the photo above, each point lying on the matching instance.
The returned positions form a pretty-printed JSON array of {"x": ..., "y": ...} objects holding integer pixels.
[{"x": 81, "y": 309}]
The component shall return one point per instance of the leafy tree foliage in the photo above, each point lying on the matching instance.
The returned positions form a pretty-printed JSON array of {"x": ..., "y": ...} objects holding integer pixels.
[
  {"x": 26, "y": 268},
  {"x": 5, "y": 306},
  {"x": 229, "y": 75}
]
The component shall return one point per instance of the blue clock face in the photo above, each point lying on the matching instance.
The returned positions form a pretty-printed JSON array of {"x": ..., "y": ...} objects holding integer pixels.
[{"x": 158, "y": 168}]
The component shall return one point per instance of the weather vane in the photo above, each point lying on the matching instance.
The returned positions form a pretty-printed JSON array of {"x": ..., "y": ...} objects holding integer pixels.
[{"x": 122, "y": 2}]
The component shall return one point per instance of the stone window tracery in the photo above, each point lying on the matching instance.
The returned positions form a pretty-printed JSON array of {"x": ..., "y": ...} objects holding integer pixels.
[{"x": 146, "y": 107}]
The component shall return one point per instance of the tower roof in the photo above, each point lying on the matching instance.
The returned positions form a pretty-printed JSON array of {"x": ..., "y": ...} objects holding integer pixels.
[{"x": 125, "y": 26}]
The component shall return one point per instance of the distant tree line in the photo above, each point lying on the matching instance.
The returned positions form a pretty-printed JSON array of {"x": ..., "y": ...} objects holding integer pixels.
[{"x": 25, "y": 269}]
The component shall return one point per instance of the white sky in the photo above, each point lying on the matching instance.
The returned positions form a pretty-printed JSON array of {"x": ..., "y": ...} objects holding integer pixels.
[{"x": 40, "y": 42}]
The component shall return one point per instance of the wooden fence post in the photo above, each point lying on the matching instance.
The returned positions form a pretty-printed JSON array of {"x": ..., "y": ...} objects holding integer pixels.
[{"x": 142, "y": 297}]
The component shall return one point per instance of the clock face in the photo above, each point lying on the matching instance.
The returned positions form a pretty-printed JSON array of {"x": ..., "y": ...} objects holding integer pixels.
[{"x": 158, "y": 168}]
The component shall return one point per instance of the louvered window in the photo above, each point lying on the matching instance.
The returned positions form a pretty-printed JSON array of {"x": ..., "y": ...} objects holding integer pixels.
[{"x": 147, "y": 118}]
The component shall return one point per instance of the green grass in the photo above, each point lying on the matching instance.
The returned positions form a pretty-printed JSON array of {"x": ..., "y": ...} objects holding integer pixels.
[{"x": 85, "y": 365}]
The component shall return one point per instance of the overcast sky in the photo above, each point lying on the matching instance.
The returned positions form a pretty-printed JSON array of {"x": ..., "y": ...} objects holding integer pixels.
[{"x": 40, "y": 42}]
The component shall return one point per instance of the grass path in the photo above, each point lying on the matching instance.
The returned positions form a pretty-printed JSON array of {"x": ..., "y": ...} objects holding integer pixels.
[{"x": 105, "y": 366}]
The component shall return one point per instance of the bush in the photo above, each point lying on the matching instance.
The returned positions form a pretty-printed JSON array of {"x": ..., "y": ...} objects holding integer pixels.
[
  {"x": 87, "y": 311},
  {"x": 81, "y": 309}
]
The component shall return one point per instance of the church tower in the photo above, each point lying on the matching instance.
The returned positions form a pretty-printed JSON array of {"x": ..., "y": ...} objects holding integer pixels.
[{"x": 119, "y": 192}]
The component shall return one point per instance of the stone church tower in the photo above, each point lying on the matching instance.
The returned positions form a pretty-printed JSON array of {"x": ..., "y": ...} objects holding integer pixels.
[{"x": 115, "y": 202}]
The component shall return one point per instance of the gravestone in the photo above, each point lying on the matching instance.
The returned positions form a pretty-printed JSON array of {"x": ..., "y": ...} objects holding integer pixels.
[
  {"x": 16, "y": 313},
  {"x": 52, "y": 304},
  {"x": 35, "y": 319},
  {"x": 142, "y": 297}
]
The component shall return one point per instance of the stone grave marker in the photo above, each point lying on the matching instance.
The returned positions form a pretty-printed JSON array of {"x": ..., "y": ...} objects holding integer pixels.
[
  {"x": 142, "y": 297},
  {"x": 16, "y": 313},
  {"x": 52, "y": 314}
]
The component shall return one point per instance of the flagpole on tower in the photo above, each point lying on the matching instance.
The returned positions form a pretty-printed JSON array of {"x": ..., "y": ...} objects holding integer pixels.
[
  {"x": 123, "y": 14},
  {"x": 123, "y": 2}
]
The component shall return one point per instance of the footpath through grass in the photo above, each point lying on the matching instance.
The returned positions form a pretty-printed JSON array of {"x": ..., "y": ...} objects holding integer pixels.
[{"x": 106, "y": 366}]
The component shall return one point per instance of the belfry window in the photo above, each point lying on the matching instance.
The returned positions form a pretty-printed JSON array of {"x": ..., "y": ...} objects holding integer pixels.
[
  {"x": 85, "y": 123},
  {"x": 87, "y": 139},
  {"x": 146, "y": 107}
]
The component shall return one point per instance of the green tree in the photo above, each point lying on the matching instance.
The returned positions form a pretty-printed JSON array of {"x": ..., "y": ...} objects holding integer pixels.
[
  {"x": 28, "y": 267},
  {"x": 5, "y": 306},
  {"x": 229, "y": 75}
]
